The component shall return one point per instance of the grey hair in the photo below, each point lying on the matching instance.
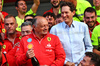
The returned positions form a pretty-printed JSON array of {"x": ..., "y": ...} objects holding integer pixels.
[{"x": 26, "y": 24}]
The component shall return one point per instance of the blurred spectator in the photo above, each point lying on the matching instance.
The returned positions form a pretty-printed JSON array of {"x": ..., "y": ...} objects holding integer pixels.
[
  {"x": 90, "y": 17},
  {"x": 26, "y": 28},
  {"x": 59, "y": 19},
  {"x": 55, "y": 7},
  {"x": 90, "y": 59},
  {"x": 21, "y": 8}
]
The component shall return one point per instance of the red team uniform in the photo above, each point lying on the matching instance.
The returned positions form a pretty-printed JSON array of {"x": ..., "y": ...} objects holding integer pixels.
[
  {"x": 48, "y": 50},
  {"x": 11, "y": 55}
]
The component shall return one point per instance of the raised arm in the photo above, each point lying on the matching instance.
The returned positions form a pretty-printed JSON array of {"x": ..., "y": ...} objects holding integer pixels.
[{"x": 35, "y": 5}]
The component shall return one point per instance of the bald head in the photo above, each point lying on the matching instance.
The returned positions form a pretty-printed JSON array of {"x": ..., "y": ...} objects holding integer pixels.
[
  {"x": 40, "y": 26},
  {"x": 39, "y": 20}
]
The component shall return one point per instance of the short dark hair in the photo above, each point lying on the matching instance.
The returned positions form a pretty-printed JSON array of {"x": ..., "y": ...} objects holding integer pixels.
[
  {"x": 16, "y": 3},
  {"x": 95, "y": 59},
  {"x": 50, "y": 14},
  {"x": 8, "y": 16},
  {"x": 69, "y": 4},
  {"x": 90, "y": 9},
  {"x": 58, "y": 16},
  {"x": 26, "y": 24},
  {"x": 30, "y": 15},
  {"x": 30, "y": 20}
]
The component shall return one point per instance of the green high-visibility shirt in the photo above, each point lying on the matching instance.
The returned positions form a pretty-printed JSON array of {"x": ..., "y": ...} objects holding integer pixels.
[
  {"x": 20, "y": 21},
  {"x": 98, "y": 14},
  {"x": 81, "y": 6},
  {"x": 96, "y": 37}
]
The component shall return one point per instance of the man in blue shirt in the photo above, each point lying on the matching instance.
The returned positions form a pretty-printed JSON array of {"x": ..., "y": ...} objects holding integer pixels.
[{"x": 73, "y": 35}]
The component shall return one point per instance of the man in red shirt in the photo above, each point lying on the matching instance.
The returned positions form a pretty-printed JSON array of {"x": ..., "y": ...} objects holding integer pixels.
[
  {"x": 12, "y": 36},
  {"x": 46, "y": 47},
  {"x": 90, "y": 17},
  {"x": 10, "y": 25},
  {"x": 55, "y": 7}
]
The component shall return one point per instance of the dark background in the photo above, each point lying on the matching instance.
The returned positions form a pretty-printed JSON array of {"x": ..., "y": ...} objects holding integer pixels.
[{"x": 44, "y": 6}]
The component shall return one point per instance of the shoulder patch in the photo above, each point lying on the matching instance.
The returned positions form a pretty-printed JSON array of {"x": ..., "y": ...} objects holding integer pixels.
[
  {"x": 3, "y": 30},
  {"x": 20, "y": 37},
  {"x": 29, "y": 40}
]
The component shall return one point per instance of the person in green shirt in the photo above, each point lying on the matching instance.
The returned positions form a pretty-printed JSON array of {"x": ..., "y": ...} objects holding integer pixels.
[
  {"x": 97, "y": 8},
  {"x": 96, "y": 40},
  {"x": 21, "y": 8}
]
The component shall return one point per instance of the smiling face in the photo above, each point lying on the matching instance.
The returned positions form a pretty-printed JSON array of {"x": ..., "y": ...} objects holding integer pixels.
[
  {"x": 66, "y": 14},
  {"x": 22, "y": 7},
  {"x": 55, "y": 3},
  {"x": 51, "y": 21},
  {"x": 90, "y": 19},
  {"x": 42, "y": 26}
]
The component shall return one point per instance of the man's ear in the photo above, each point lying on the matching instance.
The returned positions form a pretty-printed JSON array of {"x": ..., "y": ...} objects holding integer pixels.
[
  {"x": 96, "y": 16},
  {"x": 74, "y": 12},
  {"x": 16, "y": 8},
  {"x": 16, "y": 25}
]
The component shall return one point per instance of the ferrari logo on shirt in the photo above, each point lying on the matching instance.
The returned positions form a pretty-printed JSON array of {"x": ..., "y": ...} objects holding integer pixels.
[
  {"x": 48, "y": 38},
  {"x": 20, "y": 37},
  {"x": 4, "y": 46},
  {"x": 3, "y": 30},
  {"x": 30, "y": 46}
]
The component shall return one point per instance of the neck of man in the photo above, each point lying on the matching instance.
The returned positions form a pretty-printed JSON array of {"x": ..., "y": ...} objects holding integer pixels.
[
  {"x": 39, "y": 35},
  {"x": 11, "y": 37},
  {"x": 21, "y": 15},
  {"x": 69, "y": 23},
  {"x": 56, "y": 10}
]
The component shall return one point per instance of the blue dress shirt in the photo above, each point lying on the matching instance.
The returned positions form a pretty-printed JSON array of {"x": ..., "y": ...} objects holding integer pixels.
[{"x": 75, "y": 40}]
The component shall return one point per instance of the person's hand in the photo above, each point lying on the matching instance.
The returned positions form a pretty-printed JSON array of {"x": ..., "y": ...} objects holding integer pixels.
[
  {"x": 70, "y": 64},
  {"x": 30, "y": 53},
  {"x": 79, "y": 64}
]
